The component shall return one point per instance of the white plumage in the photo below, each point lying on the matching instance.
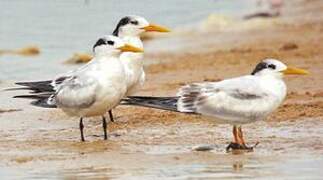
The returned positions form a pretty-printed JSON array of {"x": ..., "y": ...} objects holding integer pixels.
[
  {"x": 233, "y": 101},
  {"x": 92, "y": 89},
  {"x": 129, "y": 29}
]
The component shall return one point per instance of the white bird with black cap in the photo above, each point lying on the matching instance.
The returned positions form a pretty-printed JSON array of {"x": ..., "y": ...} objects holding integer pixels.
[
  {"x": 92, "y": 89},
  {"x": 235, "y": 101},
  {"x": 129, "y": 30}
]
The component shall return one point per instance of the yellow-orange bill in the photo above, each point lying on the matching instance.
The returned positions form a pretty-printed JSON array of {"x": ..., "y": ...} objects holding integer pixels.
[
  {"x": 291, "y": 70},
  {"x": 156, "y": 28},
  {"x": 130, "y": 48}
]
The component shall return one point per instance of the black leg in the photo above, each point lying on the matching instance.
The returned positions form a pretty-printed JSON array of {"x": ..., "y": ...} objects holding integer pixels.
[
  {"x": 81, "y": 129},
  {"x": 104, "y": 124},
  {"x": 111, "y": 116}
]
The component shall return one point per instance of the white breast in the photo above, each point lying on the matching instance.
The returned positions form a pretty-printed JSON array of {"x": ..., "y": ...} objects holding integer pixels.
[
  {"x": 107, "y": 88},
  {"x": 133, "y": 64}
]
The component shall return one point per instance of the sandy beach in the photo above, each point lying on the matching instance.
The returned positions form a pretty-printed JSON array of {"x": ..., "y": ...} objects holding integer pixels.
[{"x": 154, "y": 144}]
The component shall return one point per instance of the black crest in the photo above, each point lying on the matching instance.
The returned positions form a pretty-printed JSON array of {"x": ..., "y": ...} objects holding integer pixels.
[
  {"x": 122, "y": 22},
  {"x": 100, "y": 42},
  {"x": 259, "y": 67}
]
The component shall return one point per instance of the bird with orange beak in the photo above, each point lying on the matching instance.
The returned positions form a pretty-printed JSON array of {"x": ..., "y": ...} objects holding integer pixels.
[
  {"x": 90, "y": 90},
  {"x": 234, "y": 101},
  {"x": 129, "y": 30}
]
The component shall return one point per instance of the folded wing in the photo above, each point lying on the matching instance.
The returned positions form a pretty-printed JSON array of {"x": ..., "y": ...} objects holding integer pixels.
[{"x": 236, "y": 99}]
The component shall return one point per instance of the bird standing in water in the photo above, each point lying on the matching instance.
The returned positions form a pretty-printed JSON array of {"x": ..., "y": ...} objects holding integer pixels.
[
  {"x": 235, "y": 101},
  {"x": 92, "y": 89}
]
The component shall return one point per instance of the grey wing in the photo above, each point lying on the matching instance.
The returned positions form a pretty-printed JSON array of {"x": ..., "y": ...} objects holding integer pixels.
[
  {"x": 76, "y": 92},
  {"x": 229, "y": 99}
]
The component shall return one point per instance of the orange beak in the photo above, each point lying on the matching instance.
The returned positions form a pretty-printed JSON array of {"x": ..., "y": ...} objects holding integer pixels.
[
  {"x": 130, "y": 48},
  {"x": 155, "y": 28}
]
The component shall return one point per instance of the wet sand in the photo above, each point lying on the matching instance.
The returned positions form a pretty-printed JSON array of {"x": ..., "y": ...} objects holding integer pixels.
[{"x": 155, "y": 144}]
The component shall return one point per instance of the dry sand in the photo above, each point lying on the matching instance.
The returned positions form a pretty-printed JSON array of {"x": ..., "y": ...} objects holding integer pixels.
[{"x": 155, "y": 144}]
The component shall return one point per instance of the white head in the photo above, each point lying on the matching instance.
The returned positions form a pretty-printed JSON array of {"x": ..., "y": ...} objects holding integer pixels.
[
  {"x": 134, "y": 26},
  {"x": 112, "y": 45},
  {"x": 274, "y": 67}
]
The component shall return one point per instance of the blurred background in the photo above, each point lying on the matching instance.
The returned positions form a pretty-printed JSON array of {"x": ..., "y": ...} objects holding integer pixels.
[{"x": 61, "y": 28}]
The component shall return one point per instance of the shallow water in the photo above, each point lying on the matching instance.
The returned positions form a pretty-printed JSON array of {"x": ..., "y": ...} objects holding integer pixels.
[
  {"x": 236, "y": 167},
  {"x": 61, "y": 28},
  {"x": 206, "y": 165},
  {"x": 39, "y": 143}
]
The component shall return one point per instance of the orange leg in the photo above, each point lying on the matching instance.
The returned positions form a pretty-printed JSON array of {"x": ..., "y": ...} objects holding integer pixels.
[
  {"x": 242, "y": 142},
  {"x": 240, "y": 135},
  {"x": 235, "y": 134}
]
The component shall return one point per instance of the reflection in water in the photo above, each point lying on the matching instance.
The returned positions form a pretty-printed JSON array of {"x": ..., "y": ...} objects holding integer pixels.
[
  {"x": 237, "y": 166},
  {"x": 93, "y": 173},
  {"x": 211, "y": 167},
  {"x": 181, "y": 171}
]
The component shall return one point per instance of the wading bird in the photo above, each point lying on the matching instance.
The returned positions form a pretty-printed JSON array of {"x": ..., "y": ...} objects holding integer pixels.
[
  {"x": 235, "y": 101},
  {"x": 92, "y": 89}
]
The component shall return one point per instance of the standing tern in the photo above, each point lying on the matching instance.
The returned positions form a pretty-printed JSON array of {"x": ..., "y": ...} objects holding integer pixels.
[
  {"x": 235, "y": 101},
  {"x": 129, "y": 29},
  {"x": 91, "y": 90}
]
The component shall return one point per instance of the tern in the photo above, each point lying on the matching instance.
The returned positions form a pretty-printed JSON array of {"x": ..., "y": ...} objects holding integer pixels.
[
  {"x": 234, "y": 101},
  {"x": 129, "y": 30},
  {"x": 90, "y": 90}
]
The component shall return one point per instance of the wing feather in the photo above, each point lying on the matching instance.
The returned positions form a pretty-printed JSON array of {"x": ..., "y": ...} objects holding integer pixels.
[{"x": 76, "y": 93}]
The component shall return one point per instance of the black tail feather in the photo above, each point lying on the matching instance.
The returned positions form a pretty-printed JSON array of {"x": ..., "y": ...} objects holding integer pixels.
[
  {"x": 40, "y": 91},
  {"x": 38, "y": 86},
  {"x": 33, "y": 83},
  {"x": 38, "y": 96},
  {"x": 164, "y": 103}
]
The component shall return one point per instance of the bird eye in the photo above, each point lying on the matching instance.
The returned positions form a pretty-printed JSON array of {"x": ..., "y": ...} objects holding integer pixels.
[
  {"x": 134, "y": 22},
  {"x": 272, "y": 66},
  {"x": 110, "y": 43}
]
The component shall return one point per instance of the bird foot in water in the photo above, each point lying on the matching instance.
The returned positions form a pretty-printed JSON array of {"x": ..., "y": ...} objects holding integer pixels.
[{"x": 241, "y": 147}]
